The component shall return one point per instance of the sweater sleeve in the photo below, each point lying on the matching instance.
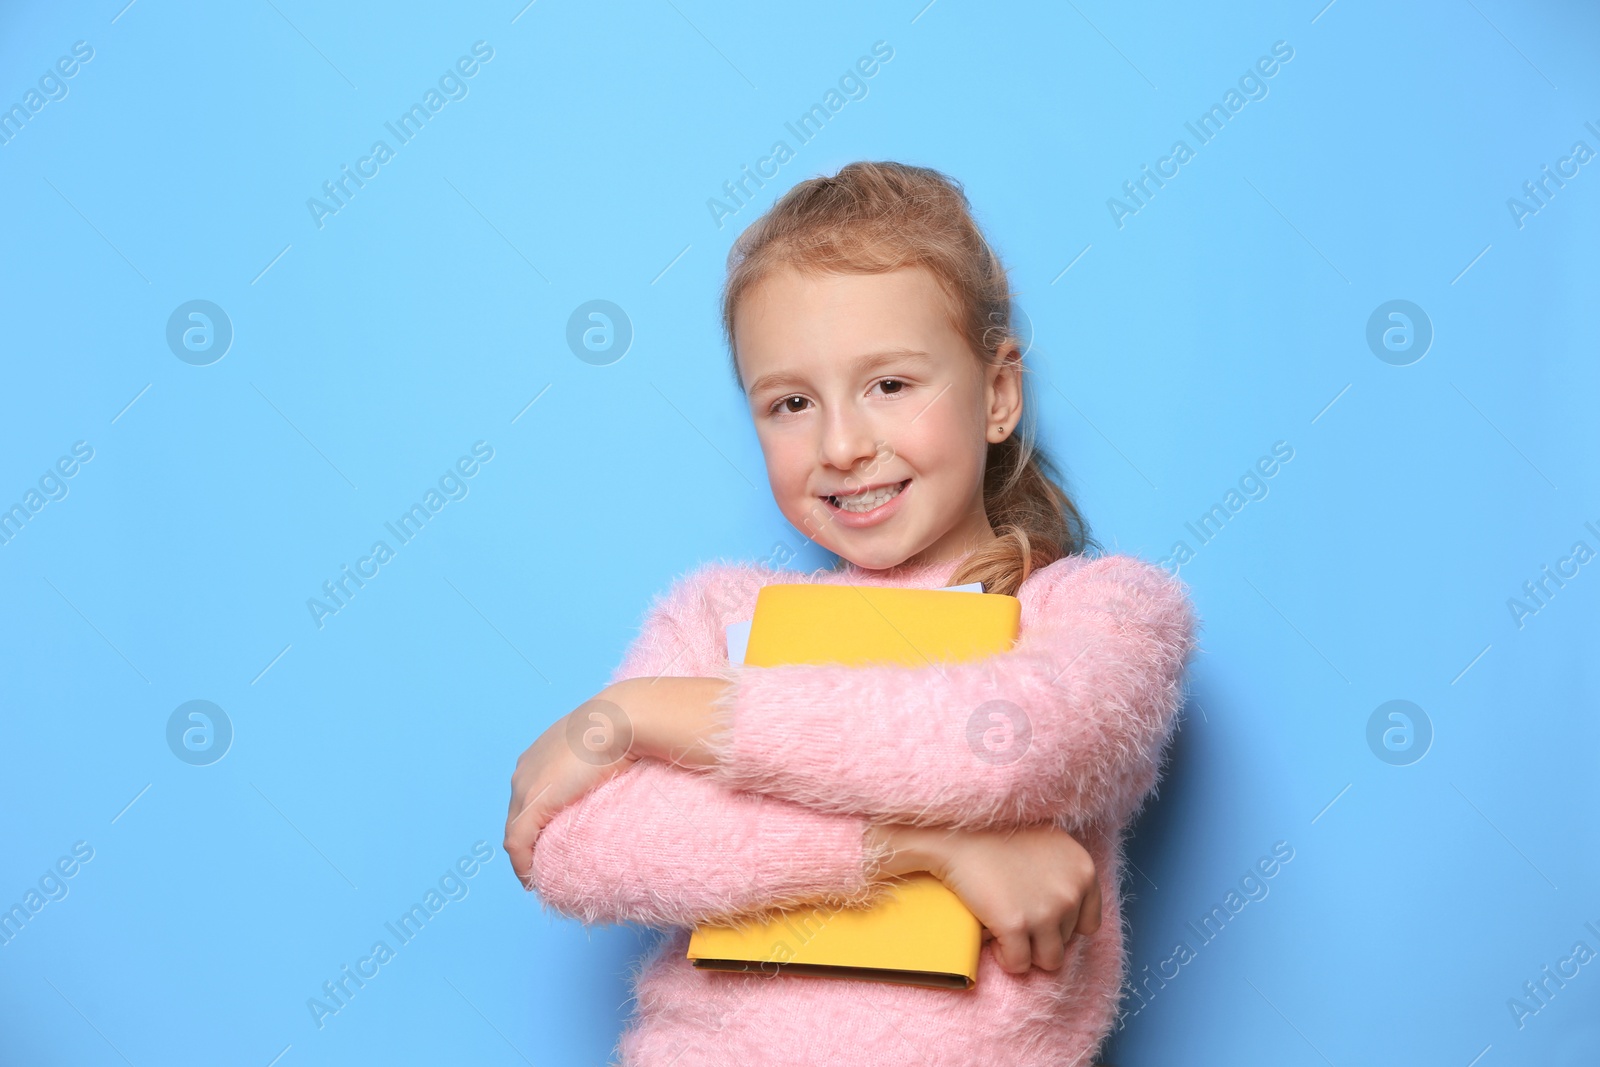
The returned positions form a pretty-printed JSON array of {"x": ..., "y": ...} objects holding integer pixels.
[
  {"x": 1070, "y": 725},
  {"x": 662, "y": 846}
]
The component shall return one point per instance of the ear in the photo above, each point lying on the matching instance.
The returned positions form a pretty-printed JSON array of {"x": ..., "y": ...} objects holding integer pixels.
[{"x": 1003, "y": 393}]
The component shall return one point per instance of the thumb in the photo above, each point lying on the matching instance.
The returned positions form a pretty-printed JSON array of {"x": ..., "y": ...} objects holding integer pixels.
[
  {"x": 522, "y": 862},
  {"x": 522, "y": 837}
]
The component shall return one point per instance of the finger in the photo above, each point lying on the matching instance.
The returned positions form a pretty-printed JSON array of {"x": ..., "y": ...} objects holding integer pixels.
[
  {"x": 1089, "y": 911},
  {"x": 521, "y": 855},
  {"x": 522, "y": 833},
  {"x": 526, "y": 805},
  {"x": 519, "y": 794},
  {"x": 521, "y": 837},
  {"x": 516, "y": 818},
  {"x": 1049, "y": 949},
  {"x": 1015, "y": 951}
]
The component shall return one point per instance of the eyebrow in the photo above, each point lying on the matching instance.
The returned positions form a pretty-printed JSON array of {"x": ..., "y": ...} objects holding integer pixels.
[{"x": 863, "y": 364}]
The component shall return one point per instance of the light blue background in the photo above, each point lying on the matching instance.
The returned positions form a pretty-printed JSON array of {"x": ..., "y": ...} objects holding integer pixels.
[{"x": 1228, "y": 314}]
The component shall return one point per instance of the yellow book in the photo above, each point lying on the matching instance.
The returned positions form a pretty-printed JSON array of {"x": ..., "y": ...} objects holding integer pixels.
[{"x": 919, "y": 933}]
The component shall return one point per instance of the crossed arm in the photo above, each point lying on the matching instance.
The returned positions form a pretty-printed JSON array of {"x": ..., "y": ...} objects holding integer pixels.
[{"x": 790, "y": 767}]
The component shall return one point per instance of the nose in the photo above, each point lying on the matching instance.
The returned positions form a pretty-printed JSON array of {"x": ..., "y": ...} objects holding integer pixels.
[{"x": 848, "y": 440}]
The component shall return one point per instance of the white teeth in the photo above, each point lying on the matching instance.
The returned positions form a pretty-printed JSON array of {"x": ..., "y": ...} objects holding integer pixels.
[{"x": 860, "y": 502}]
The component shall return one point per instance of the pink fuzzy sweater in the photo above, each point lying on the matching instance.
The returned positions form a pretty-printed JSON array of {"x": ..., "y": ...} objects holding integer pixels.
[{"x": 810, "y": 754}]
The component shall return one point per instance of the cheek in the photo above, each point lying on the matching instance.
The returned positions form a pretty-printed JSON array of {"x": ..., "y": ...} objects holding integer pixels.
[
  {"x": 787, "y": 469},
  {"x": 947, "y": 447}
]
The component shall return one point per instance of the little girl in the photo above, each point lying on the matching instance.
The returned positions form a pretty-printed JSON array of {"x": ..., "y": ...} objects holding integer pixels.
[{"x": 870, "y": 327}]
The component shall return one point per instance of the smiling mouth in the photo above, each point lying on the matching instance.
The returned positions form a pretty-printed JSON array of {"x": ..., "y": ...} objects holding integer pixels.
[{"x": 858, "y": 503}]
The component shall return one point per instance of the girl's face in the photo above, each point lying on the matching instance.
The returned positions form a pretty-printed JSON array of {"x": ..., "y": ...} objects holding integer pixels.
[{"x": 873, "y": 413}]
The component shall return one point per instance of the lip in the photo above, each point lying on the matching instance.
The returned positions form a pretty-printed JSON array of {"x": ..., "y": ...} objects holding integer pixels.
[
  {"x": 865, "y": 488},
  {"x": 881, "y": 513}
]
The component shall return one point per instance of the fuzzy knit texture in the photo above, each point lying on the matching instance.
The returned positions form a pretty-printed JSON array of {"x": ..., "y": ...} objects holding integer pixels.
[{"x": 810, "y": 755}]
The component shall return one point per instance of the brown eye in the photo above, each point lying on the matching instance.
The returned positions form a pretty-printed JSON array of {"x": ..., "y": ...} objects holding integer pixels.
[
  {"x": 896, "y": 382},
  {"x": 788, "y": 404}
]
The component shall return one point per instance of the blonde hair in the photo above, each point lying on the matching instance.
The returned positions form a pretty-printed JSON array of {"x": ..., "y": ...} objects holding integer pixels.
[{"x": 871, "y": 218}]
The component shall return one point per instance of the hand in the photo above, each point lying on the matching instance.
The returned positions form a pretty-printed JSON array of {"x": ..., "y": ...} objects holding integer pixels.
[
  {"x": 582, "y": 749},
  {"x": 1032, "y": 888}
]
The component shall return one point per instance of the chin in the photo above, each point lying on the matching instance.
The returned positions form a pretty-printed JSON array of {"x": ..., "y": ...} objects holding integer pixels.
[{"x": 875, "y": 560}]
